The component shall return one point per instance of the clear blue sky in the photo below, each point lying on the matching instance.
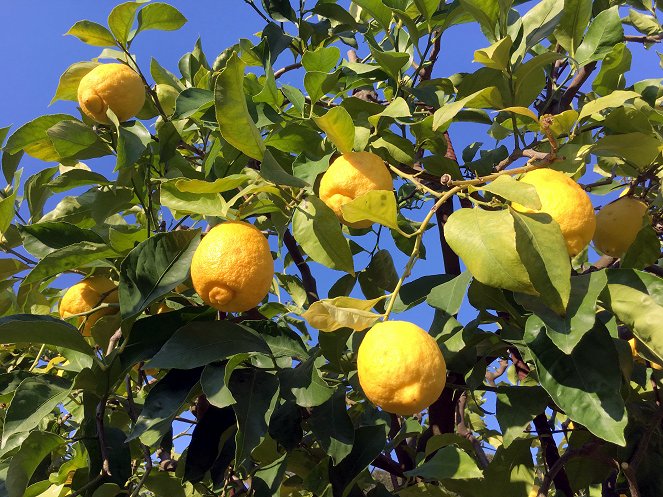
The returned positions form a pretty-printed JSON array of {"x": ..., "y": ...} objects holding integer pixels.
[{"x": 36, "y": 53}]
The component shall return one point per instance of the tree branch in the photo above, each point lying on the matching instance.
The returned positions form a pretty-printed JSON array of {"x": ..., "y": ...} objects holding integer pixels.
[
  {"x": 572, "y": 90},
  {"x": 464, "y": 431},
  {"x": 554, "y": 463},
  {"x": 283, "y": 70},
  {"x": 307, "y": 277},
  {"x": 558, "y": 467},
  {"x": 644, "y": 38}
]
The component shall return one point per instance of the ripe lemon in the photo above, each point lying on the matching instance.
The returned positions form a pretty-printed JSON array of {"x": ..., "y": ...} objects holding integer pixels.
[
  {"x": 232, "y": 268},
  {"x": 401, "y": 368},
  {"x": 617, "y": 225},
  {"x": 351, "y": 175},
  {"x": 85, "y": 296},
  {"x": 111, "y": 85},
  {"x": 567, "y": 203}
]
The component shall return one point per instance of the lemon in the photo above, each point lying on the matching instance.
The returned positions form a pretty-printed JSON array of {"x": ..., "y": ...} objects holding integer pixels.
[
  {"x": 567, "y": 203},
  {"x": 232, "y": 268},
  {"x": 401, "y": 368},
  {"x": 351, "y": 175},
  {"x": 617, "y": 225},
  {"x": 85, "y": 296},
  {"x": 114, "y": 86}
]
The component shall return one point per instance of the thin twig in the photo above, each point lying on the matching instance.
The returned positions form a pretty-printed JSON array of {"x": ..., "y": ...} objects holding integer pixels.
[
  {"x": 101, "y": 435},
  {"x": 644, "y": 38},
  {"x": 283, "y": 70}
]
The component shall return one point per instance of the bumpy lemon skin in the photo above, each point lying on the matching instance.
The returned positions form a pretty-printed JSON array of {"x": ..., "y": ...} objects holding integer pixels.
[
  {"x": 567, "y": 203},
  {"x": 232, "y": 268},
  {"x": 351, "y": 175},
  {"x": 400, "y": 367},
  {"x": 618, "y": 224},
  {"x": 85, "y": 296},
  {"x": 114, "y": 86}
]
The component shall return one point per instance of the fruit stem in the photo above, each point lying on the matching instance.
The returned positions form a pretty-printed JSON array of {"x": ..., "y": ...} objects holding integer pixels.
[{"x": 417, "y": 246}]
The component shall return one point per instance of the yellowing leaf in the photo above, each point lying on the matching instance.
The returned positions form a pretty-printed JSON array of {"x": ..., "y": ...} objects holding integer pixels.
[
  {"x": 378, "y": 206},
  {"x": 342, "y": 312}
]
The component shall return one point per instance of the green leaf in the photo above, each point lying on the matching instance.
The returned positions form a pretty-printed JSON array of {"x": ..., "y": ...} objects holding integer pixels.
[
  {"x": 495, "y": 56},
  {"x": 198, "y": 344},
  {"x": 161, "y": 16},
  {"x": 541, "y": 247},
  {"x": 7, "y": 205},
  {"x": 342, "y": 312},
  {"x": 318, "y": 84},
  {"x": 338, "y": 127},
  {"x": 585, "y": 384},
  {"x": 449, "y": 296},
  {"x": 9, "y": 267},
  {"x": 636, "y": 299},
  {"x": 92, "y": 33},
  {"x": 567, "y": 331},
  {"x": 72, "y": 256},
  {"x": 416, "y": 292},
  {"x": 572, "y": 25},
  {"x": 378, "y": 206},
  {"x": 611, "y": 77},
  {"x": 614, "y": 99},
  {"x": 32, "y": 138},
  {"x": 40, "y": 239},
  {"x": 514, "y": 191},
  {"x": 317, "y": 230},
  {"x": 332, "y": 427},
  {"x": 92, "y": 208},
  {"x": 645, "y": 24},
  {"x": 378, "y": 10},
  {"x": 256, "y": 393},
  {"x": 68, "y": 85},
  {"x": 163, "y": 403},
  {"x": 322, "y": 59},
  {"x": 175, "y": 196},
  {"x": 214, "y": 380},
  {"x": 232, "y": 112},
  {"x": 271, "y": 170},
  {"x": 604, "y": 32},
  {"x": 482, "y": 98},
  {"x": 305, "y": 384},
  {"x": 516, "y": 407},
  {"x": 154, "y": 268},
  {"x": 540, "y": 21},
  {"x": 486, "y": 242},
  {"x": 75, "y": 178},
  {"x": 192, "y": 101},
  {"x": 33, "y": 400},
  {"x": 35, "y": 193},
  {"x": 23, "y": 464},
  {"x": 448, "y": 462},
  {"x": 369, "y": 441},
  {"x": 636, "y": 148},
  {"x": 486, "y": 12},
  {"x": 427, "y": 7},
  {"x": 121, "y": 20},
  {"x": 645, "y": 249},
  {"x": 132, "y": 141},
  {"x": 30, "y": 328},
  {"x": 393, "y": 63}
]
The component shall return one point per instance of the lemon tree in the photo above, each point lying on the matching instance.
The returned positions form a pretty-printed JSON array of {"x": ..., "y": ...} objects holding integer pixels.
[{"x": 329, "y": 263}]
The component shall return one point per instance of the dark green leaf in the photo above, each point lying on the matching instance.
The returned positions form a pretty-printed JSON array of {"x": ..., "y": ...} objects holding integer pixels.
[
  {"x": 132, "y": 142},
  {"x": 92, "y": 208},
  {"x": 40, "y": 239},
  {"x": 316, "y": 228},
  {"x": 305, "y": 384},
  {"x": 449, "y": 296},
  {"x": 515, "y": 409},
  {"x": 163, "y": 403},
  {"x": 192, "y": 101},
  {"x": 271, "y": 170},
  {"x": 30, "y": 328},
  {"x": 369, "y": 441},
  {"x": 448, "y": 462},
  {"x": 585, "y": 384},
  {"x": 23, "y": 464},
  {"x": 33, "y": 400},
  {"x": 154, "y": 268},
  {"x": 256, "y": 393},
  {"x": 198, "y": 344}
]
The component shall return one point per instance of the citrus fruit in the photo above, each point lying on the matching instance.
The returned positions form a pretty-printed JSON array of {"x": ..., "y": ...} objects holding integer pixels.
[
  {"x": 232, "y": 268},
  {"x": 85, "y": 296},
  {"x": 114, "y": 86},
  {"x": 567, "y": 203},
  {"x": 401, "y": 368},
  {"x": 617, "y": 225},
  {"x": 350, "y": 176}
]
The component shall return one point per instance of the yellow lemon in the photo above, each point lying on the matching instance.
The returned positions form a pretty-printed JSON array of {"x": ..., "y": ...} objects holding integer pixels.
[
  {"x": 85, "y": 296},
  {"x": 567, "y": 203},
  {"x": 351, "y": 175},
  {"x": 401, "y": 368},
  {"x": 232, "y": 268},
  {"x": 617, "y": 225},
  {"x": 114, "y": 86}
]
